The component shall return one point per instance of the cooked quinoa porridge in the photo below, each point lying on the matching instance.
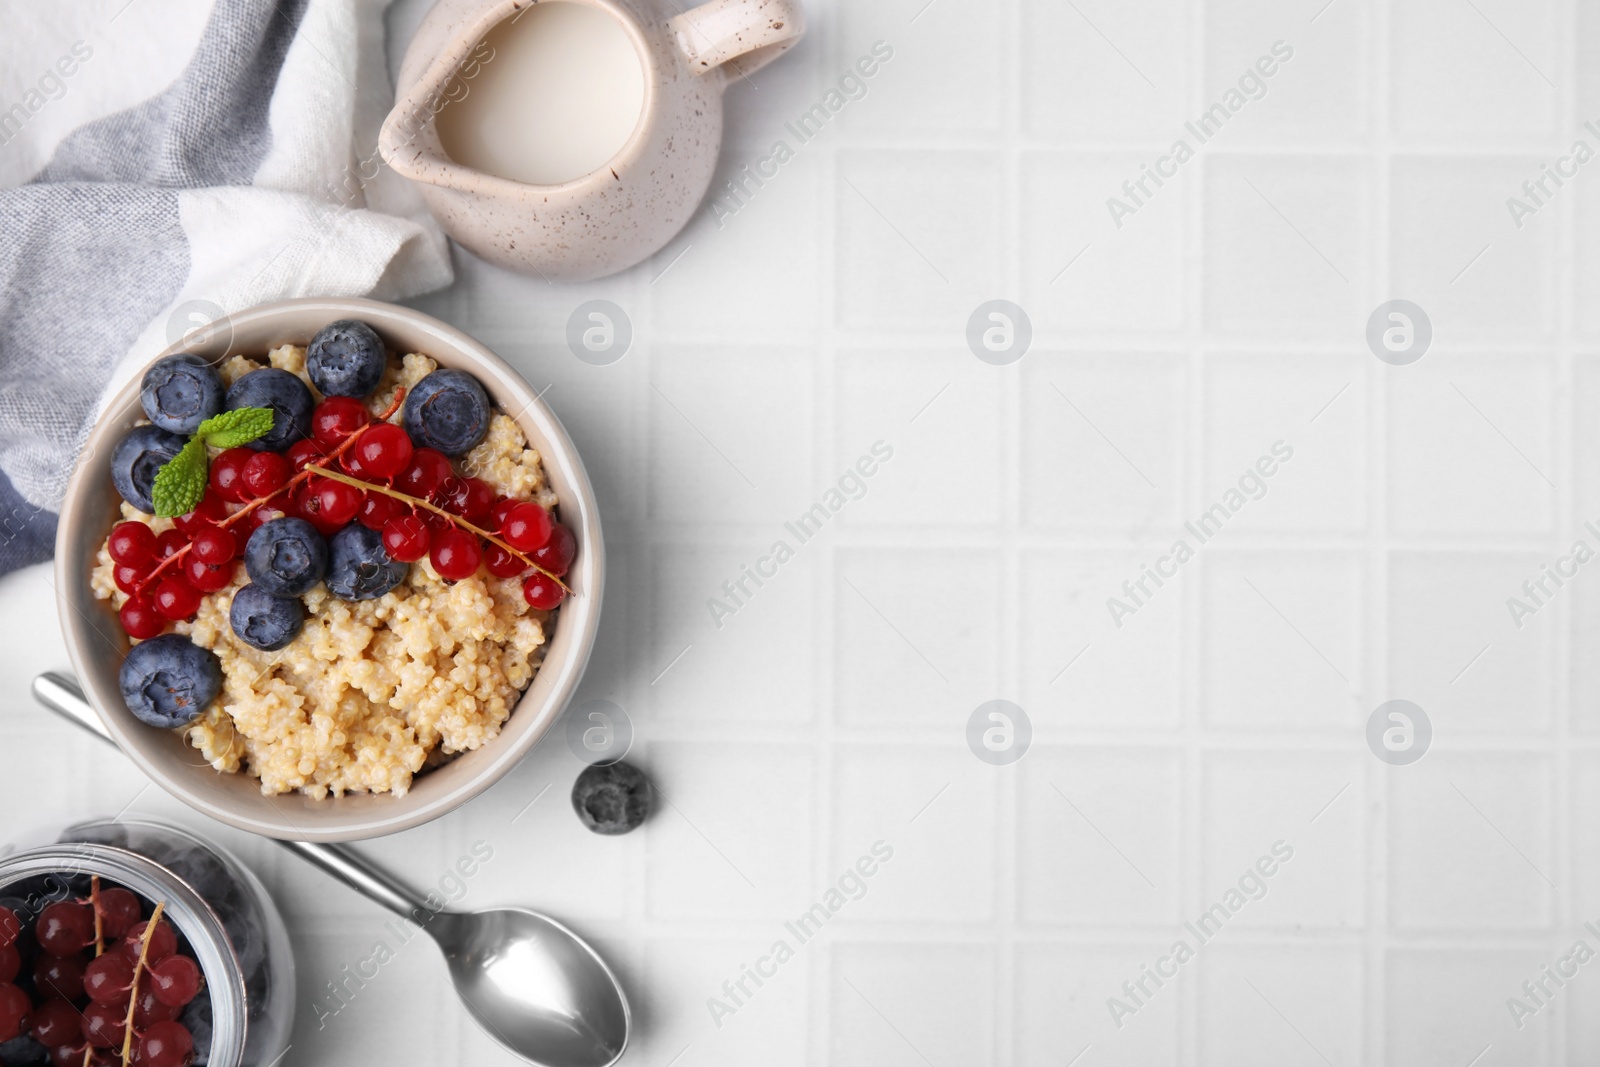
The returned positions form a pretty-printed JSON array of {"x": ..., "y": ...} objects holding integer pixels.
[{"x": 370, "y": 692}]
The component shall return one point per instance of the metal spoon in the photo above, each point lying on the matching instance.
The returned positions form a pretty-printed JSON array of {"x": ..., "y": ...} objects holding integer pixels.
[{"x": 532, "y": 984}]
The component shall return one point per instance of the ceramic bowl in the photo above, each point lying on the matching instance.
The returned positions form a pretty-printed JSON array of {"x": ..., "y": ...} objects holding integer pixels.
[{"x": 97, "y": 644}]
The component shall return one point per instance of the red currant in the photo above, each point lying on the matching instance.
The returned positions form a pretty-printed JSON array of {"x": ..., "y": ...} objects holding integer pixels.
[
  {"x": 65, "y": 927},
  {"x": 258, "y": 518},
  {"x": 128, "y": 576},
  {"x": 108, "y": 979},
  {"x": 59, "y": 976},
  {"x": 336, "y": 501},
  {"x": 377, "y": 509},
  {"x": 169, "y": 543},
  {"x": 103, "y": 1025},
  {"x": 384, "y": 450},
  {"x": 119, "y": 909},
  {"x": 14, "y": 1009},
  {"x": 176, "y": 599},
  {"x": 140, "y": 619},
  {"x": 497, "y": 514},
  {"x": 308, "y": 505},
  {"x": 149, "y": 1009},
  {"x": 337, "y": 418},
  {"x": 132, "y": 542},
  {"x": 542, "y": 592},
  {"x": 207, "y": 577},
  {"x": 424, "y": 474},
  {"x": 405, "y": 538},
  {"x": 264, "y": 473},
  {"x": 166, "y": 1044},
  {"x": 227, "y": 473},
  {"x": 55, "y": 1022},
  {"x": 456, "y": 555},
  {"x": 11, "y": 963},
  {"x": 10, "y": 927},
  {"x": 163, "y": 942},
  {"x": 556, "y": 554},
  {"x": 527, "y": 527},
  {"x": 210, "y": 511},
  {"x": 350, "y": 463},
  {"x": 304, "y": 451},
  {"x": 214, "y": 546},
  {"x": 175, "y": 981},
  {"x": 500, "y": 563},
  {"x": 471, "y": 498}
]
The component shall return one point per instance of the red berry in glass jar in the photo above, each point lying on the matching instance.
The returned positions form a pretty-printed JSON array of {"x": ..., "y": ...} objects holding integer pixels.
[
  {"x": 406, "y": 538},
  {"x": 65, "y": 927},
  {"x": 132, "y": 542},
  {"x": 11, "y": 963},
  {"x": 10, "y": 927},
  {"x": 55, "y": 1023},
  {"x": 471, "y": 498},
  {"x": 59, "y": 976},
  {"x": 384, "y": 450},
  {"x": 542, "y": 592},
  {"x": 227, "y": 473},
  {"x": 129, "y": 576},
  {"x": 456, "y": 555},
  {"x": 556, "y": 554},
  {"x": 304, "y": 451},
  {"x": 163, "y": 942},
  {"x": 103, "y": 1025},
  {"x": 377, "y": 510},
  {"x": 337, "y": 418},
  {"x": 140, "y": 619},
  {"x": 175, "y": 980},
  {"x": 264, "y": 473},
  {"x": 423, "y": 476},
  {"x": 336, "y": 501},
  {"x": 211, "y": 510},
  {"x": 500, "y": 563},
  {"x": 108, "y": 979},
  {"x": 169, "y": 543},
  {"x": 214, "y": 545},
  {"x": 14, "y": 1009},
  {"x": 176, "y": 599},
  {"x": 148, "y": 1009},
  {"x": 208, "y": 577},
  {"x": 119, "y": 909},
  {"x": 527, "y": 527},
  {"x": 166, "y": 1044}
]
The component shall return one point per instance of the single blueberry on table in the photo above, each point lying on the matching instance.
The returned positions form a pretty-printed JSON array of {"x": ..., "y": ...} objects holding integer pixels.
[
  {"x": 288, "y": 398},
  {"x": 286, "y": 557},
  {"x": 358, "y": 567},
  {"x": 167, "y": 681},
  {"x": 178, "y": 393},
  {"x": 346, "y": 358},
  {"x": 265, "y": 620},
  {"x": 136, "y": 459},
  {"x": 612, "y": 799},
  {"x": 447, "y": 411}
]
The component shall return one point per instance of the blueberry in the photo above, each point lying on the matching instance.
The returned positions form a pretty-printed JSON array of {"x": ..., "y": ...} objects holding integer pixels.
[
  {"x": 358, "y": 567},
  {"x": 23, "y": 1051},
  {"x": 346, "y": 358},
  {"x": 136, "y": 459},
  {"x": 612, "y": 799},
  {"x": 286, "y": 557},
  {"x": 181, "y": 392},
  {"x": 288, "y": 398},
  {"x": 448, "y": 411},
  {"x": 167, "y": 681},
  {"x": 265, "y": 620}
]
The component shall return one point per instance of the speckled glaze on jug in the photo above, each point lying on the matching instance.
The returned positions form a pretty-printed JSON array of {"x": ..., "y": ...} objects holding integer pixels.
[{"x": 627, "y": 210}]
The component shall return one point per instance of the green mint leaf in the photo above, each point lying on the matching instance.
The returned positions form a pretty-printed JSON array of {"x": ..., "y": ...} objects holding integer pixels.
[
  {"x": 181, "y": 481},
  {"x": 230, "y": 429}
]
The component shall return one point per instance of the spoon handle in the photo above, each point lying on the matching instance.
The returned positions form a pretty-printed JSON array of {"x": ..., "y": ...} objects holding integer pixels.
[{"x": 60, "y": 693}]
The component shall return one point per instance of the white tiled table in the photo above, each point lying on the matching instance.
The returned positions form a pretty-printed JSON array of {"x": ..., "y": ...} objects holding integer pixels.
[{"x": 828, "y": 313}]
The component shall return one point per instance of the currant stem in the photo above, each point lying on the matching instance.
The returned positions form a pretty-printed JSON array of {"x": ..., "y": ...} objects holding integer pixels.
[
  {"x": 99, "y": 927},
  {"x": 418, "y": 502},
  {"x": 138, "y": 969}
]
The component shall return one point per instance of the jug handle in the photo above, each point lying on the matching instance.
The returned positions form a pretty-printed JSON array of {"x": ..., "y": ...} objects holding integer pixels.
[{"x": 740, "y": 36}]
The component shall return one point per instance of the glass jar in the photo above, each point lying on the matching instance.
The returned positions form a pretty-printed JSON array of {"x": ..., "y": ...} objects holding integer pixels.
[{"x": 215, "y": 903}]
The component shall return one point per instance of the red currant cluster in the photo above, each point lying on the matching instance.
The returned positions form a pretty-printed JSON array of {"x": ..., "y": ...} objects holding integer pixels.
[
  {"x": 101, "y": 969},
  {"x": 351, "y": 469}
]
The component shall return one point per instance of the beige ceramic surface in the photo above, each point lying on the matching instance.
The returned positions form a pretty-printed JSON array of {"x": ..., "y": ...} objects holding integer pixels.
[
  {"x": 97, "y": 644},
  {"x": 624, "y": 212}
]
